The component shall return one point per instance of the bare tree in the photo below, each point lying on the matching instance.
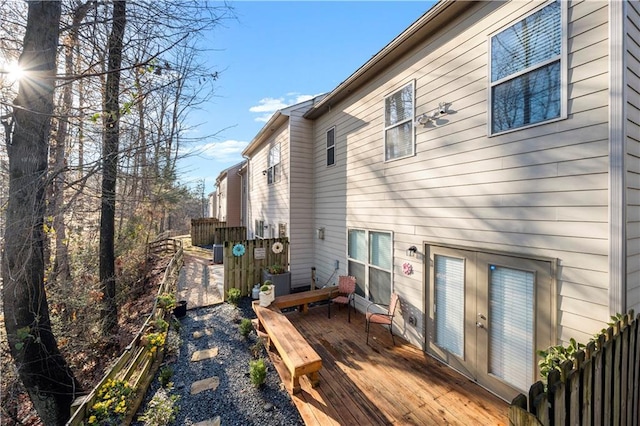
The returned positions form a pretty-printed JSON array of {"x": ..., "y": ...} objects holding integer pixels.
[
  {"x": 42, "y": 369},
  {"x": 111, "y": 119}
]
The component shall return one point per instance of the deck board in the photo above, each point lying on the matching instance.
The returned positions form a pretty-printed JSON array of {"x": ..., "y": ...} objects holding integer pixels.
[{"x": 379, "y": 384}]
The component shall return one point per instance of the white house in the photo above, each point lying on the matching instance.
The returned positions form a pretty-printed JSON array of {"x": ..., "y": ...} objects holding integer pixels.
[
  {"x": 502, "y": 141},
  {"x": 280, "y": 194}
]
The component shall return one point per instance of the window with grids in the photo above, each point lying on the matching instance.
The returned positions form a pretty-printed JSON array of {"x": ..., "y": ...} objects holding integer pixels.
[
  {"x": 398, "y": 124},
  {"x": 526, "y": 71},
  {"x": 370, "y": 261},
  {"x": 331, "y": 146},
  {"x": 273, "y": 164},
  {"x": 259, "y": 228}
]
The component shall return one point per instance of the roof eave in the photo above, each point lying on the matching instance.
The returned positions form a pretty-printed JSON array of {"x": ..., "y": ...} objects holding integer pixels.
[{"x": 440, "y": 14}]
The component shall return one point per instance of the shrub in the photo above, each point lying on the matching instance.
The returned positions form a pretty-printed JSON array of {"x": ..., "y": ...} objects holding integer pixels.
[
  {"x": 166, "y": 301},
  {"x": 153, "y": 341},
  {"x": 161, "y": 325},
  {"x": 161, "y": 410},
  {"x": 165, "y": 376},
  {"x": 233, "y": 296},
  {"x": 257, "y": 372},
  {"x": 245, "y": 327},
  {"x": 111, "y": 403},
  {"x": 275, "y": 269},
  {"x": 554, "y": 356},
  {"x": 257, "y": 348}
]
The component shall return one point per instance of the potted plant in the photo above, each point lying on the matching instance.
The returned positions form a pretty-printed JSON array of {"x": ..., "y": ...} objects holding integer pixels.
[
  {"x": 279, "y": 276},
  {"x": 267, "y": 293}
]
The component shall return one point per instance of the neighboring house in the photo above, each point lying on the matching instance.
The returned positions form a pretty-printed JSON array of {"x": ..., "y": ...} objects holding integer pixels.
[
  {"x": 229, "y": 187},
  {"x": 502, "y": 141},
  {"x": 213, "y": 208},
  {"x": 280, "y": 194}
]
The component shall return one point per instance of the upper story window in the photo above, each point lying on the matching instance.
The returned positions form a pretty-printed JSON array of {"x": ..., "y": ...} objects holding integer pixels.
[
  {"x": 398, "y": 124},
  {"x": 331, "y": 146},
  {"x": 527, "y": 76},
  {"x": 273, "y": 164}
]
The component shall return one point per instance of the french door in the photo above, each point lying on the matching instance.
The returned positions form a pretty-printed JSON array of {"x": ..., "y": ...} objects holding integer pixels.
[{"x": 488, "y": 314}]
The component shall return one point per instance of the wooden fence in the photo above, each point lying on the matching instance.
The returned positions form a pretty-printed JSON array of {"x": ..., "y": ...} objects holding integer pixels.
[
  {"x": 203, "y": 230},
  {"x": 601, "y": 387},
  {"x": 164, "y": 245},
  {"x": 137, "y": 365},
  {"x": 243, "y": 272},
  {"x": 234, "y": 233}
]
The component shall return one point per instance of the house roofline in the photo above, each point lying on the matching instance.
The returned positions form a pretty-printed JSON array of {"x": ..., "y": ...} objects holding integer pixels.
[
  {"x": 278, "y": 119},
  {"x": 435, "y": 18}
]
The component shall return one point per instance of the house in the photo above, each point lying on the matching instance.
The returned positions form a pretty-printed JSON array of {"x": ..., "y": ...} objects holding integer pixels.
[
  {"x": 484, "y": 165},
  {"x": 230, "y": 186},
  {"x": 280, "y": 194},
  {"x": 212, "y": 208}
]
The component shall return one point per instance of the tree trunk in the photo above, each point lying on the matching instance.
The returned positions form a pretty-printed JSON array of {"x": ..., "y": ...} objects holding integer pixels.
[
  {"x": 44, "y": 372},
  {"x": 111, "y": 119}
]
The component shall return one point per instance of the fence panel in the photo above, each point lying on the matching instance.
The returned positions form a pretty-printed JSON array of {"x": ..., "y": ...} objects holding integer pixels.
[
  {"x": 601, "y": 386},
  {"x": 233, "y": 233},
  {"x": 203, "y": 230},
  {"x": 243, "y": 272}
]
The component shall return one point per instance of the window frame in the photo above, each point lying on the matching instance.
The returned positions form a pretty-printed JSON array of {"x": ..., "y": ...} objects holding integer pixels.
[
  {"x": 368, "y": 265},
  {"x": 259, "y": 228},
  {"x": 331, "y": 148},
  {"x": 562, "y": 59},
  {"x": 273, "y": 169},
  {"x": 399, "y": 123}
]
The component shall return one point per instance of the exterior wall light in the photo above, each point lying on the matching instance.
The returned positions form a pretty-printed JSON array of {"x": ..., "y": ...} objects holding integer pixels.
[{"x": 411, "y": 251}]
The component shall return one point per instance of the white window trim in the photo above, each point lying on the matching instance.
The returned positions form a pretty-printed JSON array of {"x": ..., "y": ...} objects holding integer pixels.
[
  {"x": 412, "y": 83},
  {"x": 332, "y": 147},
  {"x": 271, "y": 168},
  {"x": 368, "y": 264},
  {"x": 563, "y": 70}
]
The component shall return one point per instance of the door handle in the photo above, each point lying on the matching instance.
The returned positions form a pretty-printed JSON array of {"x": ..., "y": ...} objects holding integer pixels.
[
  {"x": 481, "y": 316},
  {"x": 479, "y": 325}
]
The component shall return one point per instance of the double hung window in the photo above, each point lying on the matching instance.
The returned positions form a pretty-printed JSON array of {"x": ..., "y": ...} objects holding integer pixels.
[
  {"x": 370, "y": 261},
  {"x": 331, "y": 146},
  {"x": 273, "y": 164},
  {"x": 527, "y": 77},
  {"x": 398, "y": 123}
]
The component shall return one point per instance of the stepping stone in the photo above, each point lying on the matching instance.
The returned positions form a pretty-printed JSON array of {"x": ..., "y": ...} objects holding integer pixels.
[
  {"x": 203, "y": 317},
  {"x": 201, "y": 333},
  {"x": 204, "y": 354},
  {"x": 202, "y": 385},
  {"x": 210, "y": 422}
]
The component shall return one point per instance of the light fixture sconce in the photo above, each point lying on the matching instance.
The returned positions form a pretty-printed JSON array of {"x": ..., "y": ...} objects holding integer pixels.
[
  {"x": 411, "y": 251},
  {"x": 320, "y": 233},
  {"x": 430, "y": 117},
  {"x": 264, "y": 173}
]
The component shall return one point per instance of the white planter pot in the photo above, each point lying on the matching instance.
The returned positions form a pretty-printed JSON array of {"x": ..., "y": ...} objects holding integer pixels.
[{"x": 266, "y": 297}]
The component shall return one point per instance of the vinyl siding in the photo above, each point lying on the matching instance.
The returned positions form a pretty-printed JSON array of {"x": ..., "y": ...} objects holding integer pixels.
[
  {"x": 539, "y": 192},
  {"x": 301, "y": 229},
  {"x": 270, "y": 202},
  {"x": 633, "y": 154}
]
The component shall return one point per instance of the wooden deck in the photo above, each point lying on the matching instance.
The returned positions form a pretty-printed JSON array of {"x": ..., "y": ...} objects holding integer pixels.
[{"x": 381, "y": 384}]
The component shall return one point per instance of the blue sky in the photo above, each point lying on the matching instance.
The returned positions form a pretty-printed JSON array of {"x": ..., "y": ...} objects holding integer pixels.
[{"x": 277, "y": 53}]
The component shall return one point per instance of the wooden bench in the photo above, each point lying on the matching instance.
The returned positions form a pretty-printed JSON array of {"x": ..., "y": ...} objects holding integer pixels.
[
  {"x": 303, "y": 299},
  {"x": 297, "y": 355}
]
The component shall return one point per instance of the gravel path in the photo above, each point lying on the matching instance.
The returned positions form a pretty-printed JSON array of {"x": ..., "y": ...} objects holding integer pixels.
[{"x": 236, "y": 401}]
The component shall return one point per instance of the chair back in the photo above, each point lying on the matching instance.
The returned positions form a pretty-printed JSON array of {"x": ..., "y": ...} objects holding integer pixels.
[
  {"x": 346, "y": 284},
  {"x": 393, "y": 303}
]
